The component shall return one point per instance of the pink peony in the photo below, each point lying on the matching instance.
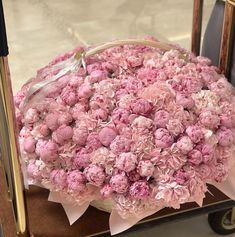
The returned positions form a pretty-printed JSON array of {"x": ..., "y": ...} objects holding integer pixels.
[
  {"x": 80, "y": 135},
  {"x": 44, "y": 130},
  {"x": 76, "y": 181},
  {"x": 119, "y": 183},
  {"x": 95, "y": 175},
  {"x": 209, "y": 119},
  {"x": 93, "y": 142},
  {"x": 47, "y": 150},
  {"x": 227, "y": 120},
  {"x": 64, "y": 118},
  {"x": 225, "y": 137},
  {"x": 126, "y": 162},
  {"x": 85, "y": 91},
  {"x": 120, "y": 144},
  {"x": 106, "y": 191},
  {"x": 51, "y": 121},
  {"x": 175, "y": 127},
  {"x": 133, "y": 175},
  {"x": 180, "y": 177},
  {"x": 204, "y": 171},
  {"x": 69, "y": 96},
  {"x": 142, "y": 107},
  {"x": 31, "y": 116},
  {"x": 62, "y": 134},
  {"x": 29, "y": 144},
  {"x": 82, "y": 159},
  {"x": 58, "y": 179},
  {"x": 146, "y": 168},
  {"x": 107, "y": 135},
  {"x": 207, "y": 153},
  {"x": 33, "y": 171},
  {"x": 195, "y": 157},
  {"x": 185, "y": 144},
  {"x": 139, "y": 190},
  {"x": 195, "y": 133},
  {"x": 185, "y": 100},
  {"x": 97, "y": 75},
  {"x": 161, "y": 118},
  {"x": 163, "y": 139},
  {"x": 100, "y": 114}
]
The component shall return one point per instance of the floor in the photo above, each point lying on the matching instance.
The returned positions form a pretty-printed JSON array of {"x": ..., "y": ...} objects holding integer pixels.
[{"x": 40, "y": 29}]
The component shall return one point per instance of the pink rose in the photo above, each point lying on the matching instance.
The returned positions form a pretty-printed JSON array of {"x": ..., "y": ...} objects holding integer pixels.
[
  {"x": 119, "y": 183},
  {"x": 126, "y": 162},
  {"x": 29, "y": 144},
  {"x": 142, "y": 107},
  {"x": 161, "y": 118},
  {"x": 107, "y": 135},
  {"x": 185, "y": 144},
  {"x": 185, "y": 100},
  {"x": 175, "y": 127},
  {"x": 139, "y": 190},
  {"x": 106, "y": 191},
  {"x": 209, "y": 119},
  {"x": 120, "y": 144},
  {"x": 76, "y": 181},
  {"x": 195, "y": 157},
  {"x": 163, "y": 138},
  {"x": 58, "y": 178},
  {"x": 146, "y": 168},
  {"x": 225, "y": 136},
  {"x": 62, "y": 134},
  {"x": 95, "y": 175},
  {"x": 80, "y": 135},
  {"x": 195, "y": 133}
]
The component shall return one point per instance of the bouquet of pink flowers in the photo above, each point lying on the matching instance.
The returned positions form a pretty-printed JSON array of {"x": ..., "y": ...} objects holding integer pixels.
[{"x": 140, "y": 126}]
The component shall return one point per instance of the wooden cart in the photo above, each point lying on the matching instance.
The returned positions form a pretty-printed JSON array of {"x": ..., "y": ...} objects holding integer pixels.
[{"x": 46, "y": 219}]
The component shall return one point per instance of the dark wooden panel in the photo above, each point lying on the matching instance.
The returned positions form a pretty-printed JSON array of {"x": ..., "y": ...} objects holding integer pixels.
[{"x": 48, "y": 219}]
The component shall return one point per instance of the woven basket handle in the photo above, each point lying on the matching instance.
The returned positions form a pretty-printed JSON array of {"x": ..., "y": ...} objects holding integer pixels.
[{"x": 101, "y": 48}]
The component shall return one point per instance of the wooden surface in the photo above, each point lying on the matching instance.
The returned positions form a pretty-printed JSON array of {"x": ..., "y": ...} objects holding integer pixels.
[
  {"x": 227, "y": 40},
  {"x": 48, "y": 219},
  {"x": 197, "y": 26},
  {"x": 6, "y": 211}
]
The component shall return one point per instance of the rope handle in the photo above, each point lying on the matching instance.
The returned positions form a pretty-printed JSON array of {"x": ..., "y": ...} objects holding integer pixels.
[{"x": 99, "y": 49}]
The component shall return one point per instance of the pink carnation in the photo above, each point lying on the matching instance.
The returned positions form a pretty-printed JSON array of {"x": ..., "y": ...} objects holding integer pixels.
[
  {"x": 119, "y": 183},
  {"x": 126, "y": 162},
  {"x": 185, "y": 144},
  {"x": 146, "y": 168},
  {"x": 107, "y": 135},
  {"x": 95, "y": 175},
  {"x": 139, "y": 190},
  {"x": 163, "y": 139}
]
